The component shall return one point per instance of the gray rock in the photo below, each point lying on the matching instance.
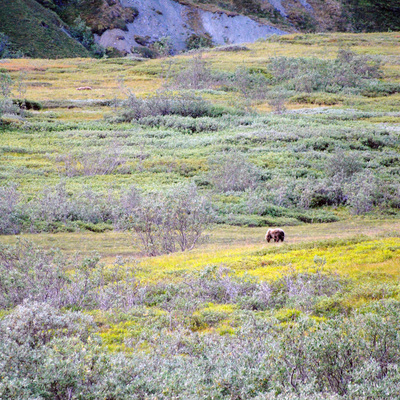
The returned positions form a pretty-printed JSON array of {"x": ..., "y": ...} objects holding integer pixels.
[
  {"x": 225, "y": 29},
  {"x": 167, "y": 18}
]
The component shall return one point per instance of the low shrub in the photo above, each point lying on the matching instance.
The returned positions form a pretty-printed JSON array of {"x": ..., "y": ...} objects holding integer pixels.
[
  {"x": 375, "y": 88},
  {"x": 265, "y": 359},
  {"x": 99, "y": 228},
  {"x": 232, "y": 47},
  {"x": 231, "y": 171},
  {"x": 29, "y": 273},
  {"x": 186, "y": 124},
  {"x": 242, "y": 220},
  {"x": 312, "y": 217},
  {"x": 10, "y": 215},
  {"x": 254, "y": 220},
  {"x": 186, "y": 105},
  {"x": 322, "y": 99},
  {"x": 348, "y": 70}
]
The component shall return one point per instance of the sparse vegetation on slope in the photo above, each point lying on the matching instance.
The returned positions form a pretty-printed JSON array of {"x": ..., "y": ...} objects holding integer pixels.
[
  {"x": 36, "y": 31},
  {"x": 374, "y": 15}
]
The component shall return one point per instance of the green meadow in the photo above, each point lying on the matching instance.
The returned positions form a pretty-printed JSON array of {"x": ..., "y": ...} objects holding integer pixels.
[{"x": 97, "y": 299}]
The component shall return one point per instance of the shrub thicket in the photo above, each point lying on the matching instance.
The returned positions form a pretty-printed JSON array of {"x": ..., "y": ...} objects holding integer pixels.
[
  {"x": 279, "y": 351},
  {"x": 165, "y": 103},
  {"x": 231, "y": 171},
  {"x": 163, "y": 223}
]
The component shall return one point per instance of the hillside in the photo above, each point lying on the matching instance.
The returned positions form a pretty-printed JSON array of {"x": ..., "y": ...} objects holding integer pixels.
[
  {"x": 36, "y": 31},
  {"x": 151, "y": 27}
]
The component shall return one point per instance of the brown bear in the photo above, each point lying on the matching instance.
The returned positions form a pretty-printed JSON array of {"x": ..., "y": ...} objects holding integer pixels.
[{"x": 276, "y": 234}]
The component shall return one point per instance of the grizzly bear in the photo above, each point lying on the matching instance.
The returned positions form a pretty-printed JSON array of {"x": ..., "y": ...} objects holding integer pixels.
[{"x": 276, "y": 234}]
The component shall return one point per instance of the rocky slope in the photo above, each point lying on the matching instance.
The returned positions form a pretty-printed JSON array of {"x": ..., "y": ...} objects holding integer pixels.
[
  {"x": 158, "y": 19},
  {"x": 220, "y": 22}
]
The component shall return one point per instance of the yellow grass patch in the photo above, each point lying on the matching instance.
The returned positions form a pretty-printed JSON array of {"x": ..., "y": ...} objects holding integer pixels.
[{"x": 244, "y": 251}]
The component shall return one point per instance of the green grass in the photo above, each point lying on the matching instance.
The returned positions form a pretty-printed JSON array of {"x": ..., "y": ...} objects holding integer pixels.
[
  {"x": 291, "y": 147},
  {"x": 288, "y": 146},
  {"x": 36, "y": 31}
]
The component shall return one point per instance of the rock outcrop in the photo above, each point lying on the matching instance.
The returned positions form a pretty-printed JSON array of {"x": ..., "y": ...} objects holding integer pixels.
[{"x": 159, "y": 19}]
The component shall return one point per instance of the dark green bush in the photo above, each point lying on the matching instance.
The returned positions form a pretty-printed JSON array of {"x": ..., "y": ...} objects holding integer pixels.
[
  {"x": 100, "y": 227},
  {"x": 145, "y": 52},
  {"x": 317, "y": 217},
  {"x": 81, "y": 32},
  {"x": 198, "y": 41},
  {"x": 28, "y": 104},
  {"x": 323, "y": 99},
  {"x": 304, "y": 21},
  {"x": 7, "y": 49},
  {"x": 374, "y": 15},
  {"x": 377, "y": 88}
]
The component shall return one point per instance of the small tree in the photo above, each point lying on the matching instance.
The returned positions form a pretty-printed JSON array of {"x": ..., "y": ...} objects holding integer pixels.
[
  {"x": 276, "y": 100},
  {"x": 196, "y": 74},
  {"x": 361, "y": 192},
  {"x": 146, "y": 221},
  {"x": 6, "y": 87},
  {"x": 344, "y": 163},
  {"x": 164, "y": 222},
  {"x": 190, "y": 215}
]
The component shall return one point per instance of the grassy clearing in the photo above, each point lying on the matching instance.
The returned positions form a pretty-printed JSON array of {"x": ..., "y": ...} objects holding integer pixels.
[{"x": 351, "y": 247}]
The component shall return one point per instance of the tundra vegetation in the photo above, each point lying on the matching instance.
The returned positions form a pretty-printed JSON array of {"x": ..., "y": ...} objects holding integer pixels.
[{"x": 173, "y": 169}]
